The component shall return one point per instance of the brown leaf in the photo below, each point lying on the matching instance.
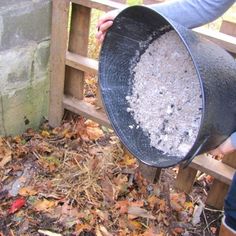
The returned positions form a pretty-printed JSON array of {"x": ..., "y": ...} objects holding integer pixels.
[
  {"x": 137, "y": 203},
  {"x": 81, "y": 227},
  {"x": 120, "y": 185},
  {"x": 162, "y": 205},
  {"x": 27, "y": 191},
  {"x": 44, "y": 205},
  {"x": 177, "y": 201},
  {"x": 102, "y": 215},
  {"x": 152, "y": 232},
  {"x": 104, "y": 231},
  {"x": 176, "y": 206},
  {"x": 134, "y": 225},
  {"x": 82, "y": 130},
  {"x": 5, "y": 154},
  {"x": 45, "y": 134},
  {"x": 140, "y": 212},
  {"x": 153, "y": 200},
  {"x": 93, "y": 130},
  {"x": 128, "y": 160},
  {"x": 108, "y": 189},
  {"x": 178, "y": 230},
  {"x": 209, "y": 179},
  {"x": 94, "y": 133},
  {"x": 159, "y": 217},
  {"x": 5, "y": 160},
  {"x": 166, "y": 222},
  {"x": 93, "y": 163},
  {"x": 123, "y": 206}
]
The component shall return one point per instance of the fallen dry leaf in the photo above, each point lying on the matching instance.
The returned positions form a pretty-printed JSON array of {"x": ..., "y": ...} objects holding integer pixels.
[
  {"x": 104, "y": 231},
  {"x": 44, "y": 205},
  {"x": 177, "y": 201},
  {"x": 81, "y": 227},
  {"x": 48, "y": 233},
  {"x": 134, "y": 225},
  {"x": 27, "y": 191},
  {"x": 140, "y": 212},
  {"x": 94, "y": 133},
  {"x": 45, "y": 134},
  {"x": 17, "y": 205},
  {"x": 162, "y": 205},
  {"x": 5, "y": 160},
  {"x": 102, "y": 215},
  {"x": 153, "y": 200},
  {"x": 128, "y": 160},
  {"x": 178, "y": 230},
  {"x": 152, "y": 232},
  {"x": 123, "y": 206},
  {"x": 108, "y": 189},
  {"x": 5, "y": 154}
]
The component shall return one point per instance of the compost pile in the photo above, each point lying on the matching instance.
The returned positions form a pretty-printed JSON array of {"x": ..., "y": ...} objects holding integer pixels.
[{"x": 166, "y": 98}]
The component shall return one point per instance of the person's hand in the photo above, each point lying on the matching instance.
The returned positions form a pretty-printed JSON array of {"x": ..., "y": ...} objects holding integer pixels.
[
  {"x": 104, "y": 23},
  {"x": 225, "y": 148}
]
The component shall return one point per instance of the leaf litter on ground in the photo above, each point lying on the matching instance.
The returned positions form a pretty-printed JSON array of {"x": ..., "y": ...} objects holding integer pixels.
[{"x": 84, "y": 183}]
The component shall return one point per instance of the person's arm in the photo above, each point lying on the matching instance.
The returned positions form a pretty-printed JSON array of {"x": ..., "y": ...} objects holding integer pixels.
[
  {"x": 228, "y": 146},
  {"x": 190, "y": 13},
  {"x": 193, "y": 13}
]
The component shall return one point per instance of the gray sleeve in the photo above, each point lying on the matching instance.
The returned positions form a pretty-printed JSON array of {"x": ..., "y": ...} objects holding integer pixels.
[
  {"x": 233, "y": 139},
  {"x": 193, "y": 13}
]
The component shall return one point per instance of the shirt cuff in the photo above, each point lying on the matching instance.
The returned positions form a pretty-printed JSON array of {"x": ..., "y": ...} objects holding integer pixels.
[{"x": 233, "y": 139}]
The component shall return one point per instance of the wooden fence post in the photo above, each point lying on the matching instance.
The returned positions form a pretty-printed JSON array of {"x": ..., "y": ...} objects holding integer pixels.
[
  {"x": 78, "y": 43},
  {"x": 185, "y": 179},
  {"x": 60, "y": 12},
  {"x": 219, "y": 189}
]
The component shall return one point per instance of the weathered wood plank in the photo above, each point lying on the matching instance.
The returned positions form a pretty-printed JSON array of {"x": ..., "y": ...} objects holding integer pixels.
[
  {"x": 78, "y": 43},
  {"x": 185, "y": 179},
  {"x": 81, "y": 63},
  {"x": 85, "y": 109},
  {"x": 223, "y": 40},
  {"x": 60, "y": 12},
  {"x": 150, "y": 173},
  {"x": 213, "y": 167},
  {"x": 228, "y": 27},
  {"x": 103, "y": 5},
  {"x": 217, "y": 193},
  {"x": 230, "y": 159}
]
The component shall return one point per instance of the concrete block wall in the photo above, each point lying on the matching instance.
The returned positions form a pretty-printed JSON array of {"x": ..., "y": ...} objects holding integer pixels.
[{"x": 25, "y": 27}]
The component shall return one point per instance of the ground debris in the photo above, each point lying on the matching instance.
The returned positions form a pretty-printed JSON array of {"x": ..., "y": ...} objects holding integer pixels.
[{"x": 82, "y": 184}]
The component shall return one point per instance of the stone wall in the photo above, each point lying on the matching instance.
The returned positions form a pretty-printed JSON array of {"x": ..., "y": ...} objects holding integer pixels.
[{"x": 24, "y": 55}]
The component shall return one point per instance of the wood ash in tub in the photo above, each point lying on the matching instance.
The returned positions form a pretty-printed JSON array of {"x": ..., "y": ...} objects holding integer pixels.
[{"x": 166, "y": 99}]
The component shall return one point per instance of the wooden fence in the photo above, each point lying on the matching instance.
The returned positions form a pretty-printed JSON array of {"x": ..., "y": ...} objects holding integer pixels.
[{"x": 69, "y": 63}]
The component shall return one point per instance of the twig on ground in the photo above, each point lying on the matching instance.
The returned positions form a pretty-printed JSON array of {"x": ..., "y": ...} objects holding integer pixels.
[{"x": 208, "y": 225}]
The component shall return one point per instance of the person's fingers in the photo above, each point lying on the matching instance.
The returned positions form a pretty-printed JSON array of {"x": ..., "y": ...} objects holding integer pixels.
[
  {"x": 216, "y": 152},
  {"x": 102, "y": 38},
  {"x": 225, "y": 148},
  {"x": 105, "y": 26},
  {"x": 105, "y": 22},
  {"x": 98, "y": 35},
  {"x": 109, "y": 16}
]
